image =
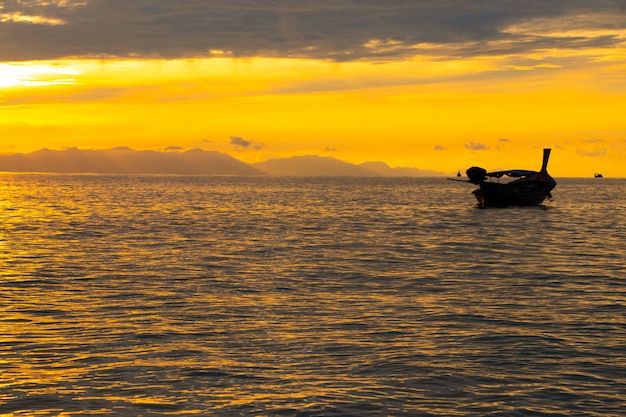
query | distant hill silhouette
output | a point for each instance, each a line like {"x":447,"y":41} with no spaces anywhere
{"x":126,"y":161}
{"x":197,"y":161}
{"x":311,"y":165}
{"x":385,"y":170}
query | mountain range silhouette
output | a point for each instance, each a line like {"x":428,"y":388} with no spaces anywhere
{"x":192,"y":162}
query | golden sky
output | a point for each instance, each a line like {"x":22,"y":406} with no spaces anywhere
{"x":471,"y":92}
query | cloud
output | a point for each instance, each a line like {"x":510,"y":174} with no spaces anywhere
{"x":241,"y":144}
{"x":331,"y":149}
{"x":475,"y":146}
{"x":441,"y":148}
{"x":339,"y":30}
{"x":36,"y":20}
{"x":592,"y":148}
{"x":503,"y":140}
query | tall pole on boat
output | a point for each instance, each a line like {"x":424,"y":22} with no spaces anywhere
{"x":546,"y":157}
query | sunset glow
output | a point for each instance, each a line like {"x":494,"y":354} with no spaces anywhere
{"x":437,"y":107}
{"x":312,"y":207}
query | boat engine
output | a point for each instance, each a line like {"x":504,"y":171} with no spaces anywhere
{"x":476,"y":175}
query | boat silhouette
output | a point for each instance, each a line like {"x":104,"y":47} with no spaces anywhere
{"x":515,"y":187}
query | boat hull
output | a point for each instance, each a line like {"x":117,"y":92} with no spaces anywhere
{"x":498,"y":195}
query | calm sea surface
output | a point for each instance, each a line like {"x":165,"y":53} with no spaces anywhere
{"x":165,"y":295}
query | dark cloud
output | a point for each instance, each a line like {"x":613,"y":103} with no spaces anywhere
{"x":339,"y":30}
{"x":441,"y":148}
{"x":475,"y":146}
{"x":242,"y":144}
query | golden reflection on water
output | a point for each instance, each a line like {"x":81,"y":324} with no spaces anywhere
{"x":118,"y":297}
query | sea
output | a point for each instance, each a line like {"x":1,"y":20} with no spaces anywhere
{"x":266,"y":296}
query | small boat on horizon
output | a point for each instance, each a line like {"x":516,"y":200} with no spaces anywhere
{"x":598,"y":175}
{"x":524,"y":188}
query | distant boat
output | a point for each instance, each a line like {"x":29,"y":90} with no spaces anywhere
{"x":528,"y":188}
{"x":458,"y":174}
{"x":598,"y":175}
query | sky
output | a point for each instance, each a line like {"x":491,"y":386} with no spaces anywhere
{"x":441,"y":85}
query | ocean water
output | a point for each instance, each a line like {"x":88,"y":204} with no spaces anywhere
{"x":166,"y":296}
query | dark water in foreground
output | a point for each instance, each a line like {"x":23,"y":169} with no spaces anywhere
{"x":141,"y":296}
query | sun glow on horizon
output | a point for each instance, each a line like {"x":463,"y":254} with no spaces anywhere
{"x":35,"y":75}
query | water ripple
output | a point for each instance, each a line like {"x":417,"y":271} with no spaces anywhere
{"x":155,"y":295}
